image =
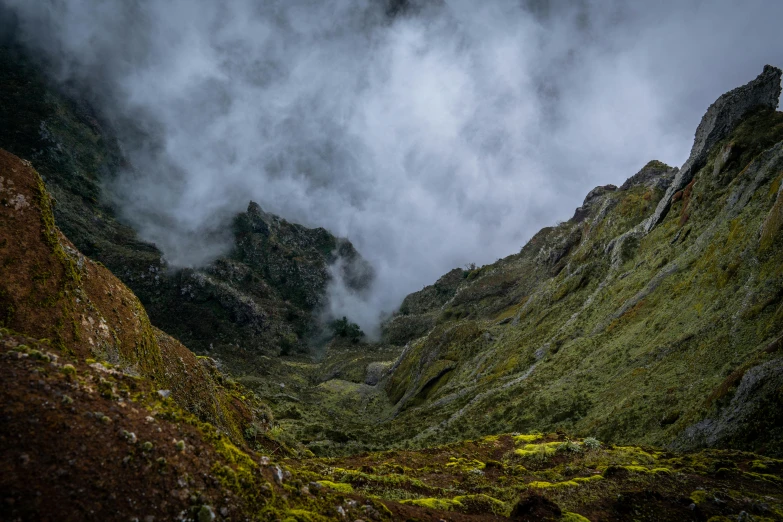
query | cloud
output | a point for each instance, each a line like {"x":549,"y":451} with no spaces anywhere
{"x":447,"y":134}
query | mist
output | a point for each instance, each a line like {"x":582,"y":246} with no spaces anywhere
{"x":446,"y":134}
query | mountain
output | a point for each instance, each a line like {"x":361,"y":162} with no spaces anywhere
{"x":624,"y":364}
{"x":658,"y":305}
{"x":260,"y":296}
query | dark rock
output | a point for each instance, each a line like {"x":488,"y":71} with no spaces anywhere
{"x":535,"y":508}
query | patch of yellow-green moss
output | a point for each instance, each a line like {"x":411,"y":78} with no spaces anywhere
{"x":481,"y":503}
{"x":465,"y":464}
{"x":540,"y":484}
{"x":337,"y":486}
{"x":441,"y":504}
{"x":71,"y":275}
{"x":541,"y":451}
{"x":527,"y":438}
{"x":591,"y":478}
{"x":573,"y":517}
{"x":699,"y":496}
{"x":301,"y":515}
{"x":772,"y":224}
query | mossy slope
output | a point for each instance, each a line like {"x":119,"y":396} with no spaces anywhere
{"x":50,"y":290}
{"x":598,"y":329}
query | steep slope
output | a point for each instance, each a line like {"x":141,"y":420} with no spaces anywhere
{"x":608,"y":325}
{"x":105,"y":417}
{"x":49,"y":290}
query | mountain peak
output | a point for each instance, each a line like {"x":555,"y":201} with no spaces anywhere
{"x":720,"y":119}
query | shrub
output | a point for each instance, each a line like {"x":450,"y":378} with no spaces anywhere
{"x":344,"y":328}
{"x":569,"y":446}
{"x":591,"y":443}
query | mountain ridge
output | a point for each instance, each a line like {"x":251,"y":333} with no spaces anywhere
{"x":485,"y":398}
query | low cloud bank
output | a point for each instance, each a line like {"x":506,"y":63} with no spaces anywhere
{"x":446,"y":134}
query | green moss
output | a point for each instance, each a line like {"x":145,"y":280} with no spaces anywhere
{"x":301,"y":515}
{"x":591,"y":478}
{"x":772,"y":224}
{"x":440,"y":504}
{"x":772,"y":479}
{"x":71,"y":276}
{"x":368,"y":480}
{"x":699,"y":496}
{"x":545,"y":485}
{"x":337,"y":486}
{"x":481,"y":504}
{"x":465,"y":464}
{"x":538,"y":452}
{"x":573,"y":517}
{"x":527,"y":438}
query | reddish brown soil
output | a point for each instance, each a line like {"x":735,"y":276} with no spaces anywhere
{"x":60,"y":460}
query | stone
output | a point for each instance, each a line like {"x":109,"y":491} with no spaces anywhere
{"x":535,"y":507}
{"x":655,"y":174}
{"x":581,"y":213}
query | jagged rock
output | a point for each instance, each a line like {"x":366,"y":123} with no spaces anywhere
{"x":721,"y":118}
{"x":581,"y":213}
{"x":434,"y":296}
{"x":655,"y":174}
{"x":262,"y":296}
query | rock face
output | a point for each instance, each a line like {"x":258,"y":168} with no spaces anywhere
{"x":720,"y":119}
{"x":753,"y":411}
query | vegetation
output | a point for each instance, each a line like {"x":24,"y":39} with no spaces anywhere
{"x":346,"y":329}
{"x":601,"y":373}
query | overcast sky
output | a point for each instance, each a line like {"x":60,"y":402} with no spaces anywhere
{"x":446,"y":135}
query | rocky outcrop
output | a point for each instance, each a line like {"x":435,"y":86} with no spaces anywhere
{"x":752,"y":419}
{"x":721,"y":118}
{"x":655,"y":174}
{"x":296,"y":260}
{"x":588,"y":205}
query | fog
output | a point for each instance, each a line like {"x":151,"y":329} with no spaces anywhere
{"x":446,"y":134}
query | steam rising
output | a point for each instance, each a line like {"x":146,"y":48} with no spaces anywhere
{"x":447,"y":134}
